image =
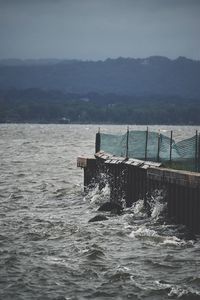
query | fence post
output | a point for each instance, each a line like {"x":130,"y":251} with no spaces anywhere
{"x":158,"y":154}
{"x":127,"y":139}
{"x":196,"y":152}
{"x":170,"y":153}
{"x":198,"y":160}
{"x":146,"y":143}
{"x":98,"y":141}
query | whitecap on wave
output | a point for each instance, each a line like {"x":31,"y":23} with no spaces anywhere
{"x":98,"y":196}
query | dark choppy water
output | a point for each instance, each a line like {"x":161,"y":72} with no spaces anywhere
{"x":48,"y":250}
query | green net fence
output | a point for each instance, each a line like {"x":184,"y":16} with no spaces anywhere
{"x":153,"y":146}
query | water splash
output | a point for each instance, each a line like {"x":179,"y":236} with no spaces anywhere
{"x":157,"y":204}
{"x":97,"y":196}
{"x":183,"y":293}
{"x":139,"y":209}
{"x":148,"y":222}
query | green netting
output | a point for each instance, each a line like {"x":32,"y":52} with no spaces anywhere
{"x":136,"y":144}
{"x":187,"y":148}
{"x":114,"y":144}
{"x":152,"y":146}
{"x":164,"y":153}
{"x":186,"y":155}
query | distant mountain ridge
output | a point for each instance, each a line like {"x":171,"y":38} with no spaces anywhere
{"x":154,"y":75}
{"x":32,"y":62}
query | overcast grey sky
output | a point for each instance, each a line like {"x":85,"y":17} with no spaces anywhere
{"x":97,"y":29}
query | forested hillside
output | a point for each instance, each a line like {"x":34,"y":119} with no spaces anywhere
{"x":39,"y":106}
{"x":124,"y":76}
{"x":155,"y":90}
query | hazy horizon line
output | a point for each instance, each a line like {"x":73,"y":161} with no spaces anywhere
{"x":96,"y":60}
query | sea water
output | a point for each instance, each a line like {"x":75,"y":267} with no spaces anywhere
{"x":48,"y":250}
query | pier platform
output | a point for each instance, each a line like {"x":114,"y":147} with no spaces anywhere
{"x":134,"y":179}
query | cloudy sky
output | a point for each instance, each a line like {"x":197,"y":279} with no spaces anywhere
{"x":97,"y":29}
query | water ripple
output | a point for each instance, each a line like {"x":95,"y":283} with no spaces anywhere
{"x":49,"y":251}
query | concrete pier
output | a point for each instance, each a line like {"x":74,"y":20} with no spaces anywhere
{"x":132,"y":179}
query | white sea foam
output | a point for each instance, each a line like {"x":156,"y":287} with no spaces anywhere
{"x":143,"y":231}
{"x":98,"y":196}
{"x":138,"y":208}
{"x":161,"y":285}
{"x":153,"y":237}
{"x":180,"y":292}
{"x":158,"y":209}
{"x":157,"y":204}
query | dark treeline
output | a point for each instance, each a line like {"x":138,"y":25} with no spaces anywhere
{"x":122,"y":76}
{"x":40,"y":106}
